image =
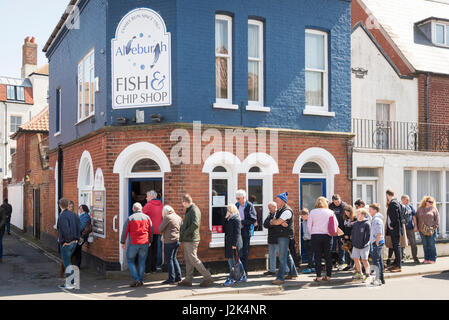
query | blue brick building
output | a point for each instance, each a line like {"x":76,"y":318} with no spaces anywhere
{"x":131,"y":80}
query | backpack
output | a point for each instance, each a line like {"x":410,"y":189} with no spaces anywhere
{"x":405,"y":214}
{"x":331,"y":229}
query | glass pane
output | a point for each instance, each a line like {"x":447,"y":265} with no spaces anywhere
{"x":221,"y":37}
{"x":221,"y":77}
{"x":408,"y":184}
{"x":10,"y":93}
{"x":253,"y":41}
{"x":314,"y":88}
{"x":447,"y":35}
{"x":447,"y":189}
{"x":447,"y":217}
{"x":218,"y":218}
{"x":310,"y":191}
{"x":219,"y":169}
{"x":434,"y":182}
{"x":219,"y":188}
{"x":311,"y":167}
{"x":146,"y":165}
{"x":423,"y":184}
{"x":255,"y":191}
{"x":359,"y":191}
{"x":86,"y":87}
{"x":253,"y":81}
{"x":20,"y":93}
{"x":258,"y":226}
{"x":440,"y":33}
{"x":369,"y":194}
{"x":92,"y":91}
{"x":87,"y":181}
{"x":315,"y":51}
{"x":255,"y":169}
{"x":429,"y":185}
{"x":80,"y":92}
{"x":366,"y":172}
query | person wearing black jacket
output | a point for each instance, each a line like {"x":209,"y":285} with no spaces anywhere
{"x":8,"y":210}
{"x":394,"y":227}
{"x":233,"y":243}
{"x":2,"y":229}
{"x":273,"y":247}
{"x":69,"y":234}
{"x":337,"y":206}
{"x":248,"y":217}
{"x":360,"y":236}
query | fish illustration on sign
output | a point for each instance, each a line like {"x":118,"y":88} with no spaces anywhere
{"x":157,"y":53}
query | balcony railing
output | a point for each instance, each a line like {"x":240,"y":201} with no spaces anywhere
{"x":396,"y":135}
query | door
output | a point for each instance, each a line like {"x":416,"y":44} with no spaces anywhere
{"x":383,"y":126}
{"x":36,"y":213}
{"x":310,"y":190}
{"x":138,"y":189}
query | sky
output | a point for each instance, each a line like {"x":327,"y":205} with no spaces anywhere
{"x":22,"y":18}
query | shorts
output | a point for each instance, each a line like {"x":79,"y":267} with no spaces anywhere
{"x":360,"y":253}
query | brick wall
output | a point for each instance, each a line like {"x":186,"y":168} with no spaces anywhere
{"x":105,"y":147}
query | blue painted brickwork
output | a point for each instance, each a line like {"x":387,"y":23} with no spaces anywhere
{"x":192,"y":27}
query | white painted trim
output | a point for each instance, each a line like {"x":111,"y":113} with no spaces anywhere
{"x":228,"y":56}
{"x":84,"y":164}
{"x":123,"y":166}
{"x":224,"y":105}
{"x":327,"y":163}
{"x":266,"y":163}
{"x":257,"y":108}
{"x":260,"y":102}
{"x":225,"y":159}
{"x":308,"y":111}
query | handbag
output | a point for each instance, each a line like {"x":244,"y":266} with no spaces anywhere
{"x":236,"y":270}
{"x":331,"y":227}
{"x":427,"y":231}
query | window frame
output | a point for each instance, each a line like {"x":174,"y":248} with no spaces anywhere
{"x":445,"y":43}
{"x":324,"y":109}
{"x":10,"y":122}
{"x":15,"y":92}
{"x":258,"y":105}
{"x":219,"y":102}
{"x":81,"y":75}
{"x":58,"y":111}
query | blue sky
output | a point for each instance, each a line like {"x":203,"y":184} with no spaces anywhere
{"x":22,"y":18}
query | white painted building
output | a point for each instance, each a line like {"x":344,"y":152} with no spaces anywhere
{"x":385,"y":112}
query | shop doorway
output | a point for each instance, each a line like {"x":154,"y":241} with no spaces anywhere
{"x":310,"y":190}
{"x":138,"y":188}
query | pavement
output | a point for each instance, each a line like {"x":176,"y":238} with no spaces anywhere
{"x":29,"y":267}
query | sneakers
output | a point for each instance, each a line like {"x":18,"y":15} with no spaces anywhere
{"x":341,"y":267}
{"x":307,"y":271}
{"x":206,"y":282}
{"x":395,"y":269}
{"x":348,"y":267}
{"x":431,"y":262}
{"x":185,"y":283}
{"x":169,"y":282}
{"x":242,"y":279}
{"x":278,"y":282}
{"x":366,"y":278}
{"x":269,"y":273}
{"x":229,"y":282}
{"x":290,"y":277}
{"x":416,"y":260}
{"x":357,"y":276}
{"x":67,"y":287}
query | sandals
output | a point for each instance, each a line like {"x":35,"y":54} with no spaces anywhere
{"x":317,"y":279}
{"x":326,"y":278}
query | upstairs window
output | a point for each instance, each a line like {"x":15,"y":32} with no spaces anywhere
{"x":15,"y":123}
{"x":86,"y":87}
{"x":316,"y":70}
{"x":255,"y":63}
{"x":58,"y":110}
{"x":441,"y":31}
{"x":15,"y":93}
{"x":223,"y":60}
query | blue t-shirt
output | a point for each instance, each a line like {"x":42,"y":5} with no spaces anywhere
{"x":410,"y":225}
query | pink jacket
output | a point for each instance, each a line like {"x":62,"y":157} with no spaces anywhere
{"x":319,"y":219}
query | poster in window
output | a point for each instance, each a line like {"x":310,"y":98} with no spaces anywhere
{"x":98,"y":214}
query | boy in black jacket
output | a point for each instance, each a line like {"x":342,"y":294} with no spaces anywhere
{"x":360,"y":236}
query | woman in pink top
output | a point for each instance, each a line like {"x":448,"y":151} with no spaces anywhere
{"x":321,"y":240}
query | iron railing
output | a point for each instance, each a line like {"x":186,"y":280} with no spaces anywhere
{"x":397,"y":135}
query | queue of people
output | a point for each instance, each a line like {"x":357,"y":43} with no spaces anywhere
{"x":353,"y":234}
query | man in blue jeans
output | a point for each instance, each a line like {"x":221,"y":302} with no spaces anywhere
{"x":140,"y":230}
{"x":338,"y":207}
{"x":283,"y":229}
{"x":377,"y":241}
{"x":68,"y":237}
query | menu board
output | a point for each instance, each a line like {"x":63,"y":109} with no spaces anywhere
{"x":98,"y":214}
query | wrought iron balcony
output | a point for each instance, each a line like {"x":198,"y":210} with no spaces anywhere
{"x":396,"y":135}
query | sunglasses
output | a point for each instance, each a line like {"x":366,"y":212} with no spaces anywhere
{"x":429,"y":201}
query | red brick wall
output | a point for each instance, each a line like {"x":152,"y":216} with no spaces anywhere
{"x":106,"y":146}
{"x":2,"y":92}
{"x":358,"y":14}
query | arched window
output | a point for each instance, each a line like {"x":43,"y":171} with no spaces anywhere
{"x":219,"y":169}
{"x":146,"y":165}
{"x":311,"y":167}
{"x":255,"y":169}
{"x":85,"y":180}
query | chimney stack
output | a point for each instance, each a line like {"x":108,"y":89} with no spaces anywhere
{"x":29,"y":56}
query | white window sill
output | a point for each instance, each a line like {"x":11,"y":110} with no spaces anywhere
{"x":85,"y":119}
{"x":225,"y":106}
{"x":57,"y":134}
{"x":317,"y":112}
{"x":255,"y":241}
{"x":258,"y":108}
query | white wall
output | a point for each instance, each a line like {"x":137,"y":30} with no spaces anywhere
{"x":381,"y":83}
{"x":15,"y":198}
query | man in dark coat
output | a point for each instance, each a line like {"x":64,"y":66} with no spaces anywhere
{"x":8,"y":210}
{"x":394,"y":226}
{"x":337,"y":206}
{"x":2,"y":230}
{"x":248,"y":217}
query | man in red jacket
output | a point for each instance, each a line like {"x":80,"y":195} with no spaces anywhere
{"x":140,"y":230}
{"x":153,"y":209}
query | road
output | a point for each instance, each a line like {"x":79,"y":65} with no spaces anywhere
{"x":28,"y":273}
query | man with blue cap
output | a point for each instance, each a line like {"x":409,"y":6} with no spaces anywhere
{"x":283,"y":228}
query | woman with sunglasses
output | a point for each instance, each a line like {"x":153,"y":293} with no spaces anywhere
{"x":428,"y":219}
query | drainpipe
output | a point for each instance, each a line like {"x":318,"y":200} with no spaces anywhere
{"x":349,"y":164}
{"x":5,"y":141}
